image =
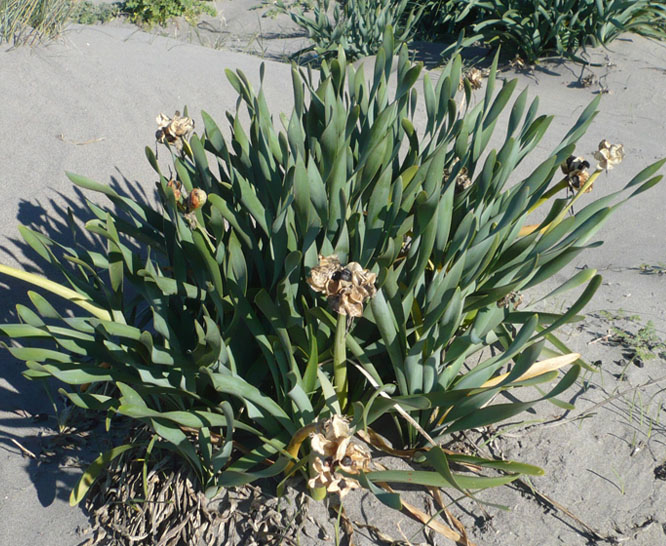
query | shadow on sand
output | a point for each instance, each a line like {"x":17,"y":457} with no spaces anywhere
{"x":53,"y":438}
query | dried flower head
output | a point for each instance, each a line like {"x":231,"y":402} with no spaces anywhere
{"x":575,"y":169}
{"x":321,"y":275}
{"x":574,"y":163}
{"x":518,"y":63}
{"x":577,"y":180}
{"x":475,"y":78}
{"x":514,"y":299}
{"x":172,"y":131}
{"x":463,"y":181}
{"x":345,"y":287}
{"x":333,"y":448}
{"x":609,"y":155}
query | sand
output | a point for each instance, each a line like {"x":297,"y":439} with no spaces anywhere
{"x":86,"y":103}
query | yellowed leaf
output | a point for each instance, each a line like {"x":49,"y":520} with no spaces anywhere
{"x":58,"y":289}
{"x":538,"y":368}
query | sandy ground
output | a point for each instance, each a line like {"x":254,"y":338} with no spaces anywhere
{"x":87,"y":104}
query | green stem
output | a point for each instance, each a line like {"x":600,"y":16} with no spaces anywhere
{"x":576,"y":197}
{"x":206,"y":237}
{"x":340,"y":361}
{"x":562,"y":184}
{"x":297,"y":440}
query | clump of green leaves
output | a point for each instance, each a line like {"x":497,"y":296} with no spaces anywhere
{"x":151,"y":12}
{"x":639,"y":339}
{"x":198,"y":318}
{"x":27,"y":21}
{"x":86,"y":12}
{"x":358,"y":27}
{"x":442,"y":20}
{"x":541,"y":28}
{"x":533,"y":29}
{"x":653,"y":269}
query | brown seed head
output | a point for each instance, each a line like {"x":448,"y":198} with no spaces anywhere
{"x":463,"y":181}
{"x":181,"y":125}
{"x":574,"y":163}
{"x":321,"y":275}
{"x":475,"y":78}
{"x":575,"y":169}
{"x":196,"y":199}
{"x":345,"y":287}
{"x":172,"y":131}
{"x":578,"y":178}
{"x":514,"y":299}
{"x":332,"y":447}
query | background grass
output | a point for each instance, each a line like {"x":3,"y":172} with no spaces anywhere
{"x":26,"y":21}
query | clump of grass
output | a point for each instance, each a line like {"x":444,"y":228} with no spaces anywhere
{"x":28,"y":21}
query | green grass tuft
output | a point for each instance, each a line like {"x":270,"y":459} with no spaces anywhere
{"x":28,"y":21}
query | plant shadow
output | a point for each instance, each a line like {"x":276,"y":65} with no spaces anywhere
{"x":37,"y":424}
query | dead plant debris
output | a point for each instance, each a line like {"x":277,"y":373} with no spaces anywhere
{"x":178,"y":512}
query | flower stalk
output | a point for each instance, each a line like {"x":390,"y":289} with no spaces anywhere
{"x":527,"y":230}
{"x":340,"y":381}
{"x":588,"y":184}
{"x":297,"y":441}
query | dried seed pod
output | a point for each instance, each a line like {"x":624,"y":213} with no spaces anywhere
{"x":345,"y":287}
{"x":475,"y":78}
{"x":172,"y":131}
{"x":514,"y":299}
{"x":162,"y":133}
{"x":575,"y":169}
{"x":463,"y":181}
{"x":342,"y":275}
{"x":332,"y":446}
{"x":578,"y":178}
{"x":181,"y":125}
{"x":196,"y":199}
{"x":176,"y":188}
{"x":342,"y":304}
{"x":574,"y":163}
{"x":609,"y":155}
{"x":323,"y":273}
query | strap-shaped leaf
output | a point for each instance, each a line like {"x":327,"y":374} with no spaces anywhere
{"x":237,"y":387}
{"x":93,"y":471}
{"x":392,"y":500}
{"x":388,"y":329}
{"x":57,"y":289}
{"x":435,"y":479}
{"x":579,"y":304}
{"x":23,"y":330}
